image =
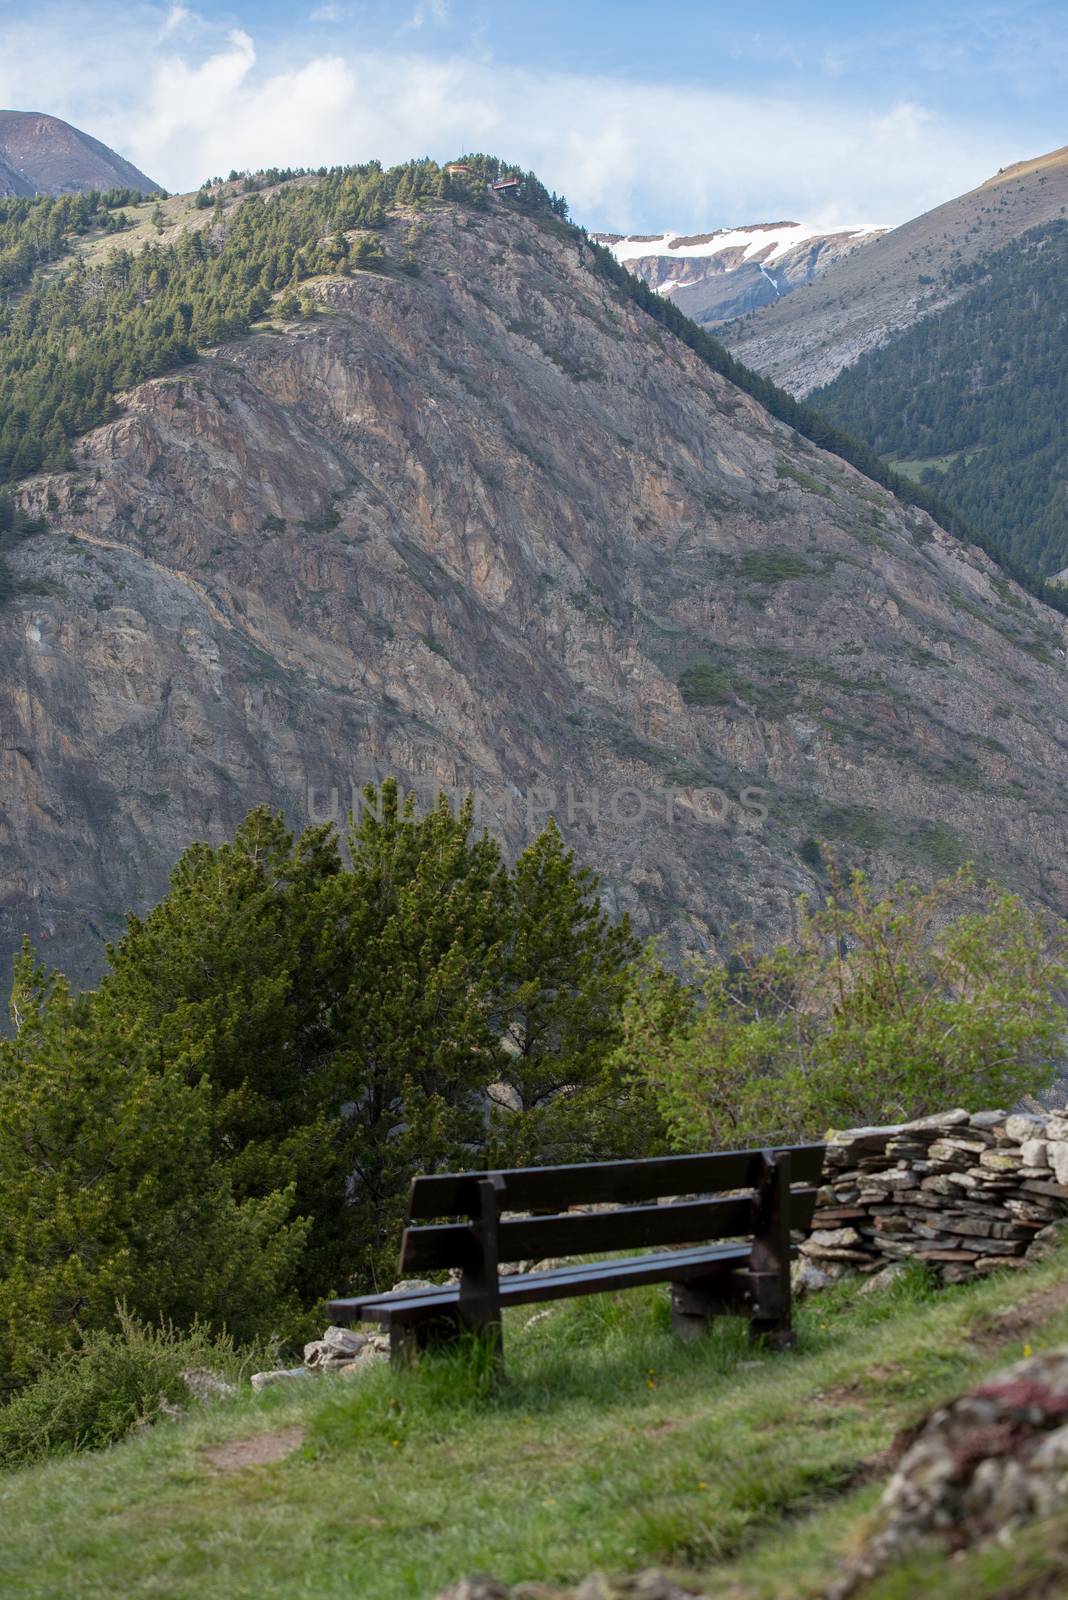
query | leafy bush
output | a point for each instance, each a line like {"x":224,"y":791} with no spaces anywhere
{"x":112,"y":1383}
{"x":879,"y":1011}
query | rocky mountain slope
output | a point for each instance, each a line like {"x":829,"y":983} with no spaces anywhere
{"x":714,"y":276}
{"x":43,"y":155}
{"x":486,"y":523}
{"x":806,"y":339}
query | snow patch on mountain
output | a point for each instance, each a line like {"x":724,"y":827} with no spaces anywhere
{"x":752,"y":241}
{"x":724,"y":273}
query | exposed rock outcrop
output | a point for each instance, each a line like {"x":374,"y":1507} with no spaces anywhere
{"x":978,"y":1469}
{"x":491,"y":526}
{"x":723,"y":274}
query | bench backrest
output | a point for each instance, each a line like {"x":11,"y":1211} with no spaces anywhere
{"x":631,"y":1187}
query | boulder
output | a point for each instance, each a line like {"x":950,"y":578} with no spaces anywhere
{"x":268,"y":1380}
{"x":979,"y":1468}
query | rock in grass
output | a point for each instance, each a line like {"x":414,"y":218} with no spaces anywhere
{"x":980,"y":1467}
{"x":807,"y":1278}
{"x":336,"y":1348}
{"x":268,"y":1380}
{"x":885,"y":1279}
{"x":1045,"y":1242}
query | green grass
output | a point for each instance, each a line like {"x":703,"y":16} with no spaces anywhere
{"x":915,"y":469}
{"x":778,"y":566}
{"x":611,"y":1447}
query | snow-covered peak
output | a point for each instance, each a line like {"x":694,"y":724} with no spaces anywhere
{"x":716,"y":276}
{"x":768,"y":240}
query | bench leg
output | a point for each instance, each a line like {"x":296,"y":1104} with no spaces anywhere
{"x":769,"y":1316}
{"x":695,"y":1301}
{"x":772,"y":1332}
{"x":408,"y":1339}
{"x":691,"y":1311}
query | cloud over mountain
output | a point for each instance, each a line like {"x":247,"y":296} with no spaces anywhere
{"x":184,"y":99}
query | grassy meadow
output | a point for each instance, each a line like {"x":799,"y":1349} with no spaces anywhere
{"x":610,"y":1447}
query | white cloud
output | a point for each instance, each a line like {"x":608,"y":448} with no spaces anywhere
{"x":633,"y":156}
{"x":327,"y":13}
{"x":175,"y":20}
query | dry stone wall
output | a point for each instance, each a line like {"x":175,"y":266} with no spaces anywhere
{"x":968,"y":1193}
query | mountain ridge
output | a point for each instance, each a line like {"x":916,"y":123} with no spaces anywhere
{"x":807,"y":338}
{"x":721,"y":274}
{"x":42,"y":154}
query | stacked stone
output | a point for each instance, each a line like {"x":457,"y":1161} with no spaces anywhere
{"x":968,"y":1193}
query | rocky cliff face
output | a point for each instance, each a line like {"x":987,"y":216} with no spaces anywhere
{"x":715,"y":276}
{"x":491,"y":526}
{"x":861,"y":301}
{"x":43,"y":155}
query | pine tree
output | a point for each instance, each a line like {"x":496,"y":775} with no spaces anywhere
{"x":233,"y":977}
{"x":422,"y":914}
{"x":109,"y":1190}
{"x":564,"y":978}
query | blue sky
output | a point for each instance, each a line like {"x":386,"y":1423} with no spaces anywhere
{"x":674,"y":114}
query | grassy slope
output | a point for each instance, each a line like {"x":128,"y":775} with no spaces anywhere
{"x":611,"y":1447}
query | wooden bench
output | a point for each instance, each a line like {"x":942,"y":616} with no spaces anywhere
{"x":745,"y":1272}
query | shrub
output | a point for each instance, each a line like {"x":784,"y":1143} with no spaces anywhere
{"x":879,"y":1011}
{"x":112,"y":1383}
{"x":706,"y":685}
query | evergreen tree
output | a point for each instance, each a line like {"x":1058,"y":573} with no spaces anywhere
{"x":564,"y":978}
{"x":109,"y":1189}
{"x":352,"y":1021}
{"x":423,"y":916}
{"x":234,"y":978}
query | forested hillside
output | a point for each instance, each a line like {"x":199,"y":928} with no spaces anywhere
{"x":74,"y":339}
{"x":84,"y":317}
{"x":974,"y":400}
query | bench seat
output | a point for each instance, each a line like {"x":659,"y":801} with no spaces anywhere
{"x":555,"y":1283}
